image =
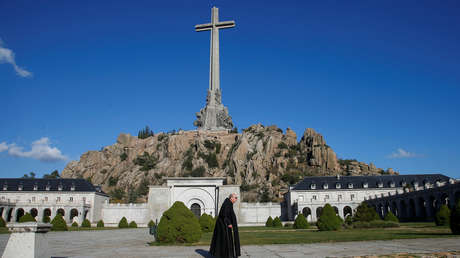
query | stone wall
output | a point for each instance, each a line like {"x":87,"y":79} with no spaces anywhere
{"x":111,"y":213}
{"x":258,"y":213}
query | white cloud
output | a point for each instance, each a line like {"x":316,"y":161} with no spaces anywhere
{"x":40,"y":150}
{"x":3,"y":146}
{"x":7,"y":56}
{"x":401,"y":153}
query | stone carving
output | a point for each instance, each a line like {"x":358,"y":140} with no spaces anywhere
{"x":215,"y":115}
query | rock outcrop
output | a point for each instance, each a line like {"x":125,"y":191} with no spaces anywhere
{"x":263,"y":160}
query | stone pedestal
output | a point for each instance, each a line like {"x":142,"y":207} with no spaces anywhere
{"x":27,"y":240}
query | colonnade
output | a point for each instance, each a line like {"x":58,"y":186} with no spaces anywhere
{"x":11,"y":212}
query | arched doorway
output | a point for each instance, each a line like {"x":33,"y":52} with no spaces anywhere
{"x":73,"y":213}
{"x":196,"y":209}
{"x":336,"y":210}
{"x":33,"y":212}
{"x":46,"y":213}
{"x":1,"y":211}
{"x":307,"y":213}
{"x":411,"y":212}
{"x":422,"y":205}
{"x":394,"y":209}
{"x":19,"y":214}
{"x":319,"y":211}
{"x":61,"y":211}
{"x":347,"y":211}
{"x":10,"y":215}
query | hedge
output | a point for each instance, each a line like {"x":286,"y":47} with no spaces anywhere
{"x":27,"y":218}
{"x":269,"y":222}
{"x":207,"y":223}
{"x":277,"y":222}
{"x":455,"y":219}
{"x":133,"y":224}
{"x":75,"y":224}
{"x":46,"y":219}
{"x":86,"y":224}
{"x":301,"y":222}
{"x":391,"y":217}
{"x":179,"y":225}
{"x":151,"y":223}
{"x":58,"y":223}
{"x":123,"y":223}
{"x":365,"y":213}
{"x":328,"y":219}
{"x":442,"y":217}
{"x":375,"y":224}
{"x":100,"y":224}
{"x":2,"y":222}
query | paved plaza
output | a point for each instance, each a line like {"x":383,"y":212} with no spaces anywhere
{"x":133,"y":243}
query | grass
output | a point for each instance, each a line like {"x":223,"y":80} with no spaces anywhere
{"x":90,"y":229}
{"x":267,"y":236}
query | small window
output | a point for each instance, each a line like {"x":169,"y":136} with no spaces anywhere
{"x":327,"y":196}
{"x":58,"y":199}
{"x":35,"y":187}
{"x":380,"y":184}
{"x":340,"y":196}
{"x":48,"y":187}
{"x":3,"y":197}
{"x":325,"y":186}
{"x":352,"y":197}
{"x":313,"y":186}
{"x":20,"y":188}
{"x":5,"y":187}
{"x":366,"y":185}
{"x":392,"y":184}
{"x":72,"y":187}
{"x":59,"y":187}
{"x":350,"y":185}
{"x":415,"y":183}
{"x":314,"y":197}
{"x":33,"y":199}
{"x":46,"y":198}
{"x":84,"y":199}
{"x":71,"y":199}
{"x":338,"y":186}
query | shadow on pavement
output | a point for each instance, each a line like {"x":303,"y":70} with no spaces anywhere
{"x":204,"y":253}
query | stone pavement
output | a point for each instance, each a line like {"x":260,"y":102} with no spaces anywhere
{"x":133,"y":243}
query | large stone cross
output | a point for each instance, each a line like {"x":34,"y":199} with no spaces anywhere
{"x":214,"y":66}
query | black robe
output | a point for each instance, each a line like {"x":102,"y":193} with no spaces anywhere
{"x":226,"y":243}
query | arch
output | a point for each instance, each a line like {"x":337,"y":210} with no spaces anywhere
{"x":411,"y":209}
{"x":200,"y":196}
{"x":47,"y":213}
{"x":394,"y":209}
{"x":19,"y":214}
{"x":457,"y":197}
{"x":61,"y":211}
{"x":319,"y":211}
{"x":33,"y":212}
{"x":73,"y":213}
{"x":1,"y":211}
{"x":85,"y":214}
{"x":9,"y":215}
{"x":336,"y":210}
{"x":196,"y":209}
{"x":422,"y":205}
{"x":347,"y":211}
{"x":445,"y":199}
{"x":403,"y":209}
{"x":380,"y":210}
{"x":306,"y":212}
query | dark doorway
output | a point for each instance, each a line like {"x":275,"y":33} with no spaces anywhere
{"x":196,"y":209}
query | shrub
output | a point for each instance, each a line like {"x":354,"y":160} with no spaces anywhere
{"x":2,"y":222}
{"x":86,"y":224}
{"x":277,"y":222}
{"x":58,"y":223}
{"x":46,"y":219}
{"x":328,"y":219}
{"x":442,"y":217}
{"x":207,"y":223}
{"x":455,"y":219}
{"x":375,"y":224}
{"x":27,"y":218}
{"x":123,"y":223}
{"x":365,"y":213}
{"x":133,"y":224}
{"x":151,"y":223}
{"x":100,"y":224}
{"x":288,"y":225}
{"x":269,"y":222}
{"x":179,"y":225}
{"x":348,"y":220}
{"x":300,"y":222}
{"x":391,"y":217}
{"x":75,"y":224}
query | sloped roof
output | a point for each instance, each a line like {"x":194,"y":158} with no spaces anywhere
{"x":66,"y":184}
{"x":372,"y":181}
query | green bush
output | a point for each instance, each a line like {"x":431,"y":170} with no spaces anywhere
{"x":123,"y":223}
{"x":58,"y":223}
{"x":277,"y":222}
{"x":328,"y":219}
{"x":455,"y":219}
{"x":133,"y":224}
{"x":207,"y":223}
{"x":179,"y":225}
{"x":348,"y":220}
{"x":301,"y":222}
{"x":86,"y":224}
{"x":269,"y":222}
{"x":100,"y":224}
{"x":442,"y":217}
{"x":46,"y":219}
{"x":365,"y":213}
{"x":288,"y":225}
{"x":75,"y":224}
{"x":391,"y":217}
{"x":2,"y":222}
{"x":27,"y":218}
{"x":151,"y":223}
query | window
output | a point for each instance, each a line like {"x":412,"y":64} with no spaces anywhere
{"x":5,"y":187}
{"x":72,"y":188}
{"x":35,"y":187}
{"x":338,"y":185}
{"x":48,"y":187}
{"x":340,"y":196}
{"x":327,"y":196}
{"x":58,"y":199}
{"x":59,"y":187}
{"x":392,"y":184}
{"x":325,"y":186}
{"x":380,"y":184}
{"x":313,"y":186}
{"x":314,"y":197}
{"x":33,"y":199}
{"x":46,"y":198}
{"x":3,"y":197}
{"x":352,"y":197}
{"x":71,"y":199}
{"x":365,"y":185}
{"x":20,"y":188}
{"x":350,"y":185}
{"x":84,"y":199}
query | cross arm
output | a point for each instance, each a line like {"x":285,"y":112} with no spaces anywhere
{"x":203,"y":27}
{"x":225,"y":24}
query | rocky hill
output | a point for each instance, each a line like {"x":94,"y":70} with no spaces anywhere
{"x":264,"y":160}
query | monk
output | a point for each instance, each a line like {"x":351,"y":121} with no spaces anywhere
{"x":226,"y":240}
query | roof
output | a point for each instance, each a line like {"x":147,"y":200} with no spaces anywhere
{"x":36,"y":184}
{"x":357,"y":182}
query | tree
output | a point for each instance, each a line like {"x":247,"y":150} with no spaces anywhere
{"x":269,"y":222}
{"x":100,"y":224}
{"x":328,"y":219}
{"x":390,"y":217}
{"x":59,"y":223}
{"x":300,"y":222}
{"x":442,"y":217}
{"x":179,"y":225}
{"x":207,"y":223}
{"x":133,"y":224}
{"x":145,"y":133}
{"x":277,"y":222}
{"x":365,"y":213}
{"x":151,"y":223}
{"x":143,"y":188}
{"x":27,"y":218}
{"x":2,"y":222}
{"x":455,"y":219}
{"x":123,"y":223}
{"x":54,"y":174}
{"x":86,"y":224}
{"x":30,"y":175}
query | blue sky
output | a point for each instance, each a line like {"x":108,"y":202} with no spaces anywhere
{"x":379,"y":80}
